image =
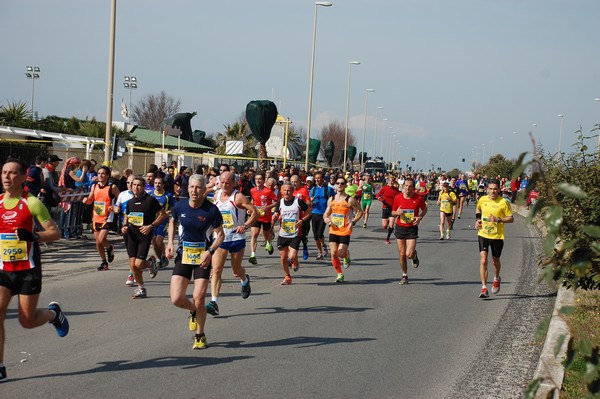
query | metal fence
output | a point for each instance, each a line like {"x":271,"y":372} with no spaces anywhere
{"x":71,"y":214}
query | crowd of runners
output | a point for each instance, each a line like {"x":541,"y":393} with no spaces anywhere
{"x":200,"y":220}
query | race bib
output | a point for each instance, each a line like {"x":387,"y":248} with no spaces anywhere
{"x":445,"y":206}
{"x":491,"y":228}
{"x":136,"y":219}
{"x":12,"y":249}
{"x":288,"y":226}
{"x":99,"y":208}
{"x":408,"y":215}
{"x":192,"y":252}
{"x":366,"y":196}
{"x":227,"y":219}
{"x":337,"y":220}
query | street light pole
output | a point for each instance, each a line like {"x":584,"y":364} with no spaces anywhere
{"x":312,"y":73}
{"x":350,"y":63}
{"x":560,"y":134}
{"x":130,"y":82}
{"x":110,"y":88}
{"x":382,"y":137}
{"x":365,"y":127}
{"x":375,"y":135}
{"x":32,"y":73}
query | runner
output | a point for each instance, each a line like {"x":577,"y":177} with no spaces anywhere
{"x":119,"y":208}
{"x":166,"y":201}
{"x":149,"y":186}
{"x":102,"y":194}
{"x":292,"y":213}
{"x":446,"y":201}
{"x":337,"y":216}
{"x":366,"y":200}
{"x":301,"y":192}
{"x":492,"y":212}
{"x":386,"y":195}
{"x":143,"y":213}
{"x":410,"y":209}
{"x":233,"y":206}
{"x":195,"y":217}
{"x":20,"y":263}
{"x":463,"y":189}
{"x":264,"y":199}
{"x":319,"y":196}
{"x":472,"y":184}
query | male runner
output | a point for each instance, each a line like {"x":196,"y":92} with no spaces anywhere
{"x":119,"y":208}
{"x":301,"y":192}
{"x":195,"y":216}
{"x":102,"y":194}
{"x":292,"y":213}
{"x":20,"y":262}
{"x":366,"y":200}
{"x":337,"y":215}
{"x":319,"y":196}
{"x":409,"y":208}
{"x":233,"y":206}
{"x":167,"y":202}
{"x":142,"y":215}
{"x":386,"y":195}
{"x":492,"y":212}
{"x":264,"y":199}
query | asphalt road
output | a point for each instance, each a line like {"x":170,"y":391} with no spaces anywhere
{"x":369,"y":337}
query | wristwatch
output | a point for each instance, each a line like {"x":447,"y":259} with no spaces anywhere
{"x":211,"y":250}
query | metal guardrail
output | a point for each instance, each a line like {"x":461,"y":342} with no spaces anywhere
{"x":71,"y":214}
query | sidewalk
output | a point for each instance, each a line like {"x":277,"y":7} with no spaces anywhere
{"x":550,"y":367}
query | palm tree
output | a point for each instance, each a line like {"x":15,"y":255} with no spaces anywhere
{"x":15,"y":114}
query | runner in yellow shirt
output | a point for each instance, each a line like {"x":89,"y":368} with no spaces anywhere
{"x":493,"y":212}
{"x":446,"y":202}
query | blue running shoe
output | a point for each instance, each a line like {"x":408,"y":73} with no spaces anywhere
{"x":246,"y":288}
{"x":212,"y":308}
{"x":305,"y":253}
{"x":60,"y":322}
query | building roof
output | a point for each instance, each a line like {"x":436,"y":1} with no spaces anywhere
{"x":154,"y":137}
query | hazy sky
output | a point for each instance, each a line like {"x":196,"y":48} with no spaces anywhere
{"x":456,"y":78}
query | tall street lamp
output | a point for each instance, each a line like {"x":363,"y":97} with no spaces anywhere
{"x":382,"y":136}
{"x":130,"y":83}
{"x":560,"y":134}
{"x":312,"y":72}
{"x":375,"y":135}
{"x":350,"y":63}
{"x":365,"y":126}
{"x":392,"y":137}
{"x":33,"y":73}
{"x":598,"y":148}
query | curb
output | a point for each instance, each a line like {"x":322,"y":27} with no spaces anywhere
{"x":550,"y":369}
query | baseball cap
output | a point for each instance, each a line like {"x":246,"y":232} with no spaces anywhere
{"x":309,"y":178}
{"x":54,"y":158}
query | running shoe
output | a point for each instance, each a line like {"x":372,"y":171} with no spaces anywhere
{"x":3,"y":376}
{"x":404,"y":280}
{"x":441,"y":238}
{"x":139,"y":293}
{"x":103,"y":266}
{"x":193,"y":321}
{"x":415,"y":260}
{"x":387,"y":241}
{"x":340,"y":278}
{"x":252,"y":259}
{"x":60,"y":322}
{"x":129,"y":282}
{"x":164,"y":262}
{"x":110,"y":254}
{"x":346,"y":262}
{"x":212,"y":308}
{"x":364,"y":225}
{"x":484,"y":293}
{"x":496,"y":285}
{"x":296,"y":267}
{"x":152,"y":266}
{"x":459,"y":213}
{"x":305,"y":253}
{"x":200,"y":342}
{"x":319,"y":257}
{"x":325,"y":254}
{"x":269,"y":248}
{"x":287,"y":280}
{"x":246,"y":288}
{"x":448,"y":235}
